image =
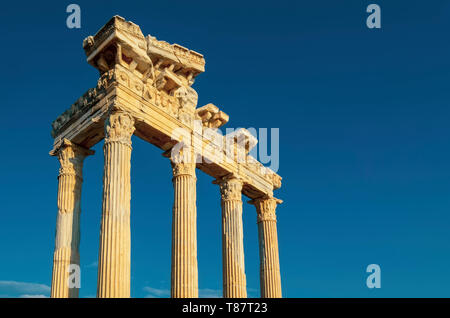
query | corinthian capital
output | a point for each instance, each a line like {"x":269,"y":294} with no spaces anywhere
{"x":265,"y":208}
{"x":119,"y":126}
{"x":230,"y":187}
{"x":182,"y":159}
{"x":71,"y":157}
{"x":183,"y":168}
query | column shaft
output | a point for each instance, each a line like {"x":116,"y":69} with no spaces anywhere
{"x":270,"y":279}
{"x":184,"y":276}
{"x":234,"y":280}
{"x":67,"y":239}
{"x":115,"y":241}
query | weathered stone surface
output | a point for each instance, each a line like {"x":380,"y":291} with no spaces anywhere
{"x":115,"y":243}
{"x":234,"y":281}
{"x":67,"y":240}
{"x":184,"y":274}
{"x":211,"y":116}
{"x":270,"y":278}
{"x":151,"y":80}
{"x":145,"y":89}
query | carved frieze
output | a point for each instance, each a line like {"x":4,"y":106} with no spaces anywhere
{"x":90,"y":98}
{"x":158,"y":75}
{"x":187,"y":60}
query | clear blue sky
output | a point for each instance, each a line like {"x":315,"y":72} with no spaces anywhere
{"x":364,"y":140}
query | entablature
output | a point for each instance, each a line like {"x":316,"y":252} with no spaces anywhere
{"x":141,"y":76}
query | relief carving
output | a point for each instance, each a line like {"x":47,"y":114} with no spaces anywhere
{"x":90,"y":98}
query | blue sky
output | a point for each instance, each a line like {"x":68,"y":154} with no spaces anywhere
{"x":364,"y":142}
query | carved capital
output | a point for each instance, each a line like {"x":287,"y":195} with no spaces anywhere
{"x":265,"y":208}
{"x":71,"y":158}
{"x":119,"y":127}
{"x":230,"y":188}
{"x":182,"y":159}
{"x":183,"y":168}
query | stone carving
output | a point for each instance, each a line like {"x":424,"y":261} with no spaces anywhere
{"x":181,"y":159}
{"x":243,"y":139}
{"x":276,"y":180}
{"x":66,"y":157}
{"x":230,"y":188}
{"x":115,"y":238}
{"x":187,"y":96}
{"x":119,"y":127}
{"x":168,"y":68}
{"x":266,"y":206}
{"x":146,"y":81}
{"x":182,"y":168}
{"x":175,"y":53}
{"x":70,"y":163}
{"x":118,"y":31}
{"x":211,"y":116}
{"x":90,"y":98}
{"x":160,"y":82}
{"x":71,"y":158}
{"x":88,"y":42}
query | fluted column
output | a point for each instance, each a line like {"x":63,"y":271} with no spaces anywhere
{"x":270,"y":279}
{"x":115,"y":243}
{"x":234,"y":281}
{"x":67,"y":238}
{"x":184,"y":275}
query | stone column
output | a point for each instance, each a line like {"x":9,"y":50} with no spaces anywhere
{"x":67,"y":239}
{"x":184,"y":275}
{"x":115,"y":243}
{"x":270,"y":279}
{"x":234,"y":281}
